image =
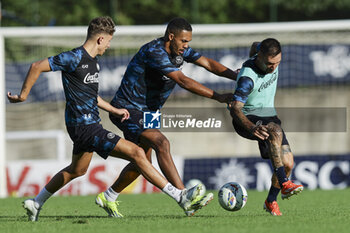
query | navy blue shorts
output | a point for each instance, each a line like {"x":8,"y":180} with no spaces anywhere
{"x":132,"y":127}
{"x":263,"y":144}
{"x":90,"y":138}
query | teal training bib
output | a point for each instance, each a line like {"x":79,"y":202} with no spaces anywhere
{"x":261,"y":99}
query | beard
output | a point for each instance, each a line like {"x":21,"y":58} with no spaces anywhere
{"x":269,"y":70}
{"x":173,"y":49}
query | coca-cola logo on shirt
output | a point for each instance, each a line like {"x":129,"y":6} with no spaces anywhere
{"x":93,"y":78}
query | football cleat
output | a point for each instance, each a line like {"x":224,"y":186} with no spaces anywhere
{"x":188,"y":195}
{"x":32,"y":209}
{"x":289,"y":189}
{"x":272,"y":208}
{"x":198,"y":203}
{"x":109,"y":206}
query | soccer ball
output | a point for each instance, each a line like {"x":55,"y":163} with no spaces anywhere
{"x":193,"y":182}
{"x":232,"y":196}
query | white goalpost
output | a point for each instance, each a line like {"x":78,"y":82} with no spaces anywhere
{"x":25,"y":129}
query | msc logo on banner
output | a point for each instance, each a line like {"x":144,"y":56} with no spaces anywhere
{"x":151,"y":120}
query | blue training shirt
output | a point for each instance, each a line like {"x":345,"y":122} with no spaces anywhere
{"x":80,"y":77}
{"x":145,"y":85}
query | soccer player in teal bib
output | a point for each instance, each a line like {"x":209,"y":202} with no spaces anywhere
{"x":80,"y":77}
{"x":255,"y":118}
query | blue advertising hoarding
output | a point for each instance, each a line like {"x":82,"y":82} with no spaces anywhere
{"x":323,"y":172}
{"x":302,"y":65}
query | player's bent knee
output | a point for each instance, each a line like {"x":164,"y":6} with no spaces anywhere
{"x":161,"y":143}
{"x":74,"y":173}
{"x":81,"y":172}
{"x":274,"y":128}
{"x":138,"y":154}
{"x":275,"y":132}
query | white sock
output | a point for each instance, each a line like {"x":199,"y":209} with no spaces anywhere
{"x":42,"y":197}
{"x":111,"y":195}
{"x":172,"y":191}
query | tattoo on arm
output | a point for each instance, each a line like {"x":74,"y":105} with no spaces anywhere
{"x":286,"y":149}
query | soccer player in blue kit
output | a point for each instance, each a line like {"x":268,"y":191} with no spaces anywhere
{"x":255,"y":118}
{"x":80,"y":77}
{"x":147,"y":83}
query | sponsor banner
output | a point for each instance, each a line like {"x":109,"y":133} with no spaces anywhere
{"x":323,"y":172}
{"x":27,"y":178}
{"x":192,"y":119}
{"x":302,"y":65}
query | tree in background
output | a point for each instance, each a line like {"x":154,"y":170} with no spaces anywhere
{"x":141,"y":12}
{"x":49,"y":13}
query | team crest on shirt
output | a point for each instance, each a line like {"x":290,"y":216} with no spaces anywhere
{"x":177,"y":61}
{"x":110,"y":135}
{"x":165,"y":78}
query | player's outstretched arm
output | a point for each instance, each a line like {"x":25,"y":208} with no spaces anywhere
{"x":34,"y":71}
{"x":197,"y":88}
{"x":119,"y":112}
{"x":259,"y":131}
{"x":216,"y":68}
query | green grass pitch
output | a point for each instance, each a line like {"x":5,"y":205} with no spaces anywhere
{"x":311,"y":211}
